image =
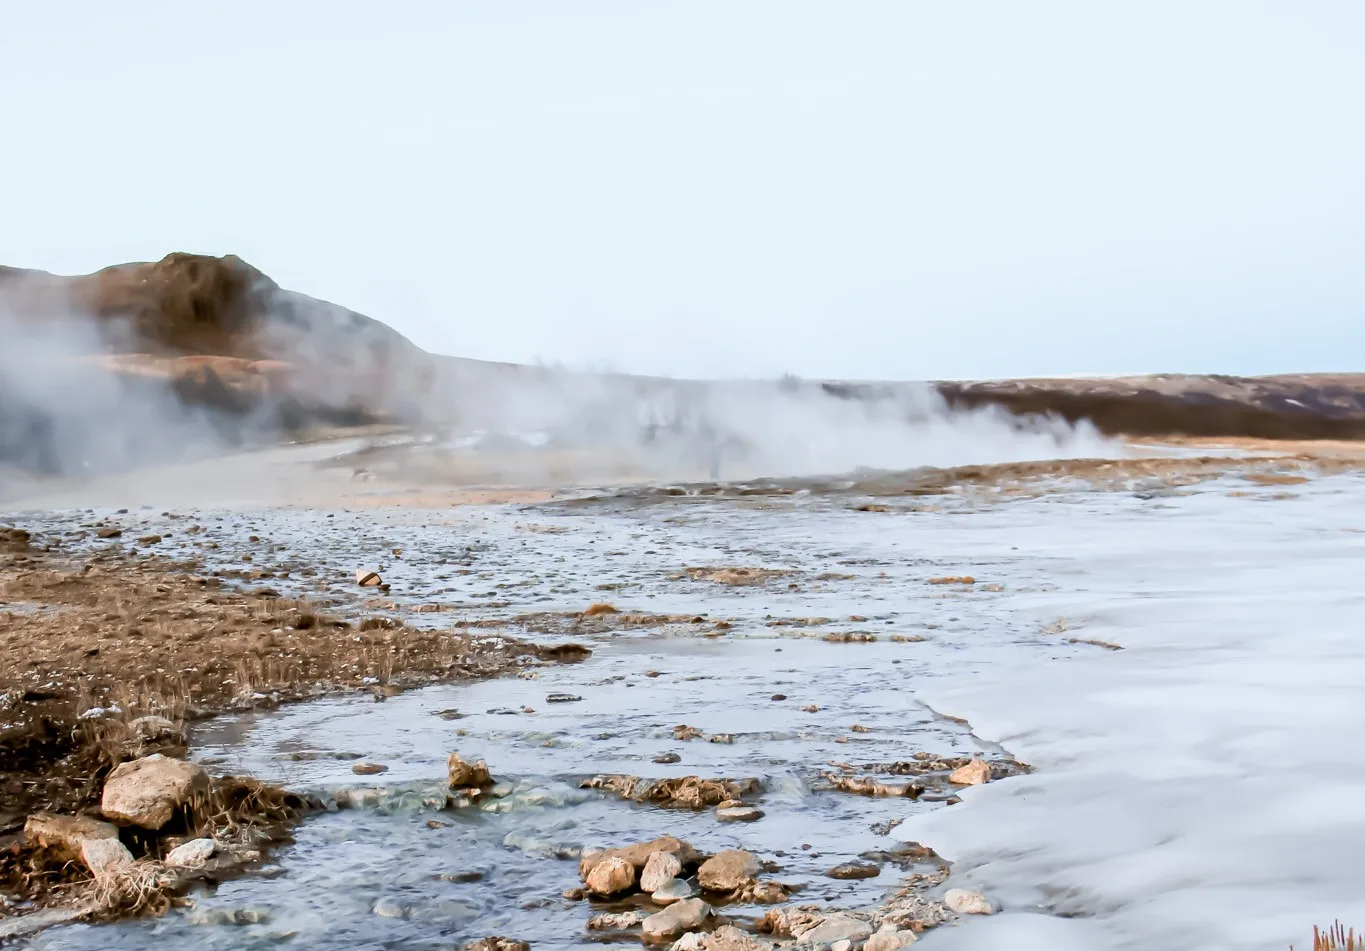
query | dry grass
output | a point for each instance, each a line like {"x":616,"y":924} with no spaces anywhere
{"x":1336,"y":938}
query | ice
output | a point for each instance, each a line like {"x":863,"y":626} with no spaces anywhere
{"x":1203,"y":788}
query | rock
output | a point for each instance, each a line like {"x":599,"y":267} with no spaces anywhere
{"x":854,"y":870}
{"x":890,"y":941}
{"x":692,"y":941}
{"x":65,"y":835}
{"x":617,"y":922}
{"x":368,"y":579}
{"x":155,"y":728}
{"x":103,"y":856}
{"x":668,"y":758}
{"x":369,"y":769}
{"x":766,"y":893}
{"x":562,"y":698}
{"x":727,"y":871}
{"x":973,"y":774}
{"x":659,"y":869}
{"x":574,"y":894}
{"x":147,"y":792}
{"x":611,"y":876}
{"x":730,"y":938}
{"x":738,"y":813}
{"x":389,"y":908}
{"x":638,"y":855}
{"x":837,"y":927}
{"x":686,"y":915}
{"x":675,"y":889}
{"x":844,"y":945}
{"x":494,"y":943}
{"x":965,"y":901}
{"x":192,"y":853}
{"x":466,"y":775}
{"x":229,"y":916}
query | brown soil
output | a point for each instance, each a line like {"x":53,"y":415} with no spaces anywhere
{"x":137,"y":632}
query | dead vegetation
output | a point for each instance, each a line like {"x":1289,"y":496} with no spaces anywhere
{"x":1336,"y":938}
{"x":683,"y":792}
{"x":733,"y":576}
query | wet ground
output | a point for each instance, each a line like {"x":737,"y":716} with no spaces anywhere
{"x":849,"y":621}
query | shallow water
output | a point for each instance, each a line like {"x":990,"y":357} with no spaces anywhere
{"x":500,"y":561}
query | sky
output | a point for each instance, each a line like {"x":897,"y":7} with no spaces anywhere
{"x":876,"y":190}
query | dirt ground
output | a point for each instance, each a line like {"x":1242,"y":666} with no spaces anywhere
{"x":88,"y":643}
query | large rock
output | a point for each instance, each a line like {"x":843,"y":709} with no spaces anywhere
{"x":660,"y":868}
{"x":611,"y":876}
{"x":686,"y":915}
{"x":147,"y":792}
{"x":727,"y":871}
{"x":638,"y":855}
{"x":65,"y":835}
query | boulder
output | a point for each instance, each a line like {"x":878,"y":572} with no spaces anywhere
{"x":660,"y":868}
{"x":965,"y":901}
{"x":730,"y":938}
{"x":973,"y":774}
{"x":147,"y":792}
{"x":611,"y":876}
{"x":65,"y":835}
{"x":190,"y":854}
{"x":686,"y":915}
{"x":727,"y":871}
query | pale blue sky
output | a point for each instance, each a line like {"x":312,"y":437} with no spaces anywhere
{"x":853,"y":189}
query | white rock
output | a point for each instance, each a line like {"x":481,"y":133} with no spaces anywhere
{"x":837,"y":927}
{"x":842,"y":945}
{"x":686,"y":915}
{"x":673,"y":890}
{"x":692,"y":941}
{"x":659,"y":869}
{"x":103,"y":856}
{"x":611,"y":876}
{"x":192,"y":853}
{"x":965,"y":901}
{"x":739,"y":814}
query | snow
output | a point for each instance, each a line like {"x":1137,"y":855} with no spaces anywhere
{"x":1203,"y":788}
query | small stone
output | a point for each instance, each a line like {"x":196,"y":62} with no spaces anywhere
{"x":738,"y":813}
{"x":973,"y":774}
{"x":965,"y":901}
{"x":767,"y":893}
{"x":462,"y":878}
{"x":673,"y":890}
{"x":367,"y":579}
{"x":151,"y":728}
{"x":102,"y":856}
{"x":810,"y":708}
{"x":852,"y":871}
{"x":147,"y":792}
{"x":727,"y":871}
{"x":890,"y":941}
{"x":667,"y":758}
{"x":778,"y":696}
{"x":660,"y":868}
{"x":574,"y":894}
{"x":563,"y":698}
{"x":686,"y":915}
{"x":369,"y":769}
{"x":193,"y":853}
{"x":611,"y":876}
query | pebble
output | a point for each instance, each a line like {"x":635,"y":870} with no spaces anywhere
{"x":668,"y":758}
{"x":854,"y":870}
{"x":369,"y":769}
